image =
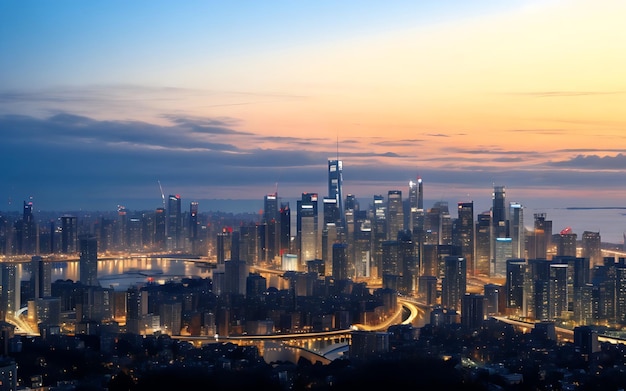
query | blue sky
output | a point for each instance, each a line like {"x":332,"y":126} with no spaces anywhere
{"x":100,"y":100}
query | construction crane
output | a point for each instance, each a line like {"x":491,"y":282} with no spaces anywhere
{"x":162,"y":195}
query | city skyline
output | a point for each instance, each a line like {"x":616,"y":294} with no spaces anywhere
{"x":100,"y":105}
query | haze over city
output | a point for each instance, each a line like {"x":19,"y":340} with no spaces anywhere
{"x":101,"y":101}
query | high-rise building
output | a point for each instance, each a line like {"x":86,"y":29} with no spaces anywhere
{"x":335,"y":185}
{"x":454,"y":284}
{"x":483,"y":244}
{"x":464,"y":234}
{"x":174,"y":223}
{"x":284,"y":241}
{"x":499,"y":218}
{"x":193,"y":227}
{"x":10,"y":292}
{"x":159,"y":229}
{"x":69,"y":234}
{"x":503,"y":251}
{"x":557,"y":296}
{"x":514,"y":288}
{"x":270,"y":207}
{"x":88,"y":263}
{"x":41,"y":277}
{"x":395,"y":214}
{"x":541,"y":237}
{"x":340,"y":261}
{"x":28,"y":230}
{"x":307,"y":226}
{"x":592,"y":248}
{"x":566,"y":243}
{"x":472,"y":310}
{"x":517,"y":229}
{"x":223,"y":245}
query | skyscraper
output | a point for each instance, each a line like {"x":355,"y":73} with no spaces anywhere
{"x":10,"y":291}
{"x":307,"y":226}
{"x":193,"y":226}
{"x":395,"y":214}
{"x":159,"y":229}
{"x":69,"y":234}
{"x":499,"y":221}
{"x":483,"y":244}
{"x":592,"y":249}
{"x":270,"y":208}
{"x":465,"y":234}
{"x":335,"y":184}
{"x":41,"y":277}
{"x":284,"y":241}
{"x":174,"y":223}
{"x":517,"y":230}
{"x":566,"y":245}
{"x":88,"y":263}
{"x":454,"y":283}
{"x":29,"y":230}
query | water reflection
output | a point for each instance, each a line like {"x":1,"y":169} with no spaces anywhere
{"x":121,"y":273}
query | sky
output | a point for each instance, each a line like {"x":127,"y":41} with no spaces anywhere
{"x":100,"y":102}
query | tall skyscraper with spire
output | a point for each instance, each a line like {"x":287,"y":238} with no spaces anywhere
{"x":307,"y":226}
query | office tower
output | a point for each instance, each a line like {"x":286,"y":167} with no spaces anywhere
{"x":331,"y":211}
{"x":592,"y":248}
{"x":557,"y":296}
{"x":414,"y":210}
{"x":235,"y":274}
{"x":335,"y":185}
{"x":454,"y":283}
{"x":363,"y":249}
{"x":503,"y":251}
{"x":136,"y":309}
{"x":174,"y":225}
{"x":391,"y":263}
{"x":120,"y":233}
{"x":605,"y":282}
{"x":134,"y":233}
{"x":10,"y":293}
{"x":330,"y":236}
{"x":88,"y":263}
{"x":566,"y":243}
{"x":171,"y":317}
{"x":69,"y":234}
{"x":379,"y":230}
{"x":536,"y":289}
{"x":395,"y":214}
{"x":584,"y":305}
{"x":256,"y":285}
{"x":514,"y":286}
{"x":41,"y":277}
{"x":541,"y":237}
{"x":271,"y":222}
{"x":285,"y":229}
{"x":495,"y":299}
{"x":464,"y":234}
{"x":248,"y":244}
{"x":577,"y":277}
{"x":427,"y":290}
{"x":483,"y":244}
{"x":223,"y":245}
{"x":193,"y":226}
{"x":499,"y":220}
{"x":408,"y":262}
{"x":340,"y":261}
{"x":28,"y":230}
{"x":159,"y":229}
{"x":620,"y":291}
{"x":307,"y":228}
{"x":517,"y":229}
{"x":270,"y":207}
{"x":472,"y":311}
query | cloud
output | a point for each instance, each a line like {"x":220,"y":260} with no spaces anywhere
{"x":594,"y":162}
